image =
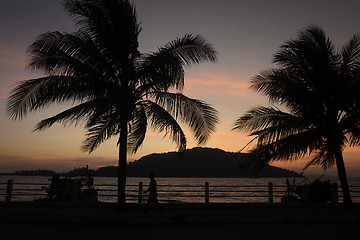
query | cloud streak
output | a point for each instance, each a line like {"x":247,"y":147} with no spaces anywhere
{"x":217,"y":85}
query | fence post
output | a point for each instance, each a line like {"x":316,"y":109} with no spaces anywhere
{"x":140,"y":192}
{"x":206,"y":192}
{"x":9,"y":188}
{"x":335,"y":193}
{"x":271,"y":192}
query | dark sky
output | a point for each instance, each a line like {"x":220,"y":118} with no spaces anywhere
{"x":246,"y":34}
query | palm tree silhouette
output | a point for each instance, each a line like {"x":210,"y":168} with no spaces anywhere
{"x":115,"y":90}
{"x":317,"y":88}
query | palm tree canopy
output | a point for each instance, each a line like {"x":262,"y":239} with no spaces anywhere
{"x":318,"y":89}
{"x":100,"y":70}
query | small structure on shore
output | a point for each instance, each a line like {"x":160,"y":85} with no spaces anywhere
{"x":65,"y":189}
{"x":316,"y":191}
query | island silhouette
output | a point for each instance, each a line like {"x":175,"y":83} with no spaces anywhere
{"x":195,"y":162}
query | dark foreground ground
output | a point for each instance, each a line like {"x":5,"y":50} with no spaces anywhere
{"x":180,"y":221}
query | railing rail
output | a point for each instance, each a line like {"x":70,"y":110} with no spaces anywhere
{"x":172,"y":193}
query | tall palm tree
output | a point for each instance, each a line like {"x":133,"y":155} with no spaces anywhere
{"x":115,"y":90}
{"x":317,"y":88}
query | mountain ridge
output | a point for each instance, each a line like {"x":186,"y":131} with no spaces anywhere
{"x":196,"y":162}
{"x":201,"y":162}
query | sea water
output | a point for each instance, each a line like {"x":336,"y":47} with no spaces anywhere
{"x":186,"y":190}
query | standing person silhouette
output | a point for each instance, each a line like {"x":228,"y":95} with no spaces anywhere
{"x":152,"y":198}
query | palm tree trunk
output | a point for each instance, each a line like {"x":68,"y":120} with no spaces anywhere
{"x":122,"y":166}
{"x":343,"y":179}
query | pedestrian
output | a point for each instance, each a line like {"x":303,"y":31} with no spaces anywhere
{"x":152,"y":198}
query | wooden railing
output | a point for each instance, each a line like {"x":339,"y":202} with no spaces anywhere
{"x":206,"y":193}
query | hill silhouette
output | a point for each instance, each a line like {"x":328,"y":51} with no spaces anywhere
{"x":196,"y":162}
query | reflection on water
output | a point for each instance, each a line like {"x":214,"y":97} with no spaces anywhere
{"x":221,"y":190}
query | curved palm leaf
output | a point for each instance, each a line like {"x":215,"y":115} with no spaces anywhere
{"x":69,"y":54}
{"x":159,"y":71}
{"x":112,"y":23}
{"x":351,"y":56}
{"x":162,"y":121}
{"x":106,"y":127}
{"x":282,"y":136}
{"x":74,"y":115}
{"x":200,"y":116}
{"x":35,"y":94}
{"x":261,"y":118}
{"x":191,"y":49}
{"x":164,"y":68}
{"x":137,"y":129}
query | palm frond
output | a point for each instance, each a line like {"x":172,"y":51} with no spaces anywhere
{"x":34,"y":94}
{"x":162,"y":121}
{"x":351,"y":57}
{"x":287,"y":148}
{"x":73,"y":115}
{"x":280,"y":136}
{"x":352,"y":126}
{"x":104,"y":129}
{"x":260,"y":118}
{"x":191,"y":49}
{"x":285,"y":87}
{"x":69,"y":54}
{"x":322,"y":158}
{"x":112,"y":23}
{"x":164,"y":68}
{"x":273,"y":83}
{"x":326,"y":153}
{"x":198,"y":115}
{"x":138,"y":127}
{"x":160,"y":71}
{"x":310,"y":50}
{"x":270,"y":125}
{"x":313,"y":59}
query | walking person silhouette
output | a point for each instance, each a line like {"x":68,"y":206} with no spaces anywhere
{"x":152,"y":198}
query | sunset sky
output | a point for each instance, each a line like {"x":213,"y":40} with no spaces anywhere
{"x":245,"y":34}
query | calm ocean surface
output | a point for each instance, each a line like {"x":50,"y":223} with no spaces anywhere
{"x":221,"y":190}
